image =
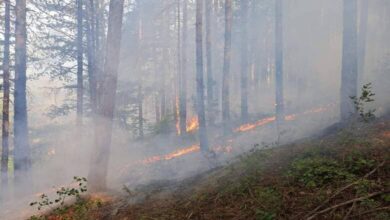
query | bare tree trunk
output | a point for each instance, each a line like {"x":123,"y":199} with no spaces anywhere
{"x":80,"y":86}
{"x":209,"y":65}
{"x":244,"y":60}
{"x":22,"y":160}
{"x":226,"y":67}
{"x":279,"y":62}
{"x":349,"y":72}
{"x":179,"y":73}
{"x":364,"y":4}
{"x":140,"y":112}
{"x":183,"y":84}
{"x":6,"y":95}
{"x":105,"y":112}
{"x":199,"y":78}
{"x":91,"y":53}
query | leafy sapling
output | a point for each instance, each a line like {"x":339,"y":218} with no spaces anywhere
{"x":64,"y":193}
{"x":361,"y":102}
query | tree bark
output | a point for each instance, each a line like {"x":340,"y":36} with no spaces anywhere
{"x":349,"y":72}
{"x":6,"y":96}
{"x":209,"y":64}
{"x":183,"y":84}
{"x":179,"y":72}
{"x":140,"y":112}
{"x":80,"y":86}
{"x":244,"y":60}
{"x":105,"y":112}
{"x":22,"y":160}
{"x":226,"y":67}
{"x":199,"y":78}
{"x":362,"y":38}
{"x":279,"y":62}
{"x":91,"y":53}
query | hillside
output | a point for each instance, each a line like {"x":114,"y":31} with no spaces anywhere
{"x":340,"y":174}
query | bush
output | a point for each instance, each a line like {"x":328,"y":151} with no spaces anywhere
{"x":318,"y":171}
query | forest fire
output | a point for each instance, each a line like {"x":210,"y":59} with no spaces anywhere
{"x":291,"y":117}
{"x":192,"y":124}
{"x":249,"y":126}
{"x":170,"y":156}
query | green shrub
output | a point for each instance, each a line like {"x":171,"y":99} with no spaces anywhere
{"x":318,"y":171}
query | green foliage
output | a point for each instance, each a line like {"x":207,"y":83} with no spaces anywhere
{"x":318,"y":171}
{"x":62,"y":194}
{"x":360,"y":103}
{"x":270,"y":200}
{"x":356,"y":163}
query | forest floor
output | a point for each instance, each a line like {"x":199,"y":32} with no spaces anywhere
{"x":344,"y":173}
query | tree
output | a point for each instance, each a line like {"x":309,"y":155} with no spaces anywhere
{"x":183,"y":84}
{"x":226,"y":66}
{"x":362,"y":38}
{"x":209,"y":63}
{"x":349,"y":71}
{"x":279,"y":61}
{"x":105,"y":111}
{"x":244,"y":60}
{"x":80,"y":64}
{"x":22,"y":161}
{"x":6,"y":96}
{"x":200,"y":107}
{"x":91,"y":52}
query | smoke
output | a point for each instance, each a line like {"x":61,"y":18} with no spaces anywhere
{"x":312,"y":54}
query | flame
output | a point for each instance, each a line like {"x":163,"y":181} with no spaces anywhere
{"x":174,"y":154}
{"x":192,"y":124}
{"x":262,"y":122}
{"x":249,"y":126}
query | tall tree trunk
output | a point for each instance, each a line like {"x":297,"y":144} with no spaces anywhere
{"x":140,"y":112}
{"x":199,"y":78}
{"x":22,"y":161}
{"x":244,"y":60}
{"x":6,"y":95}
{"x":183,"y":84}
{"x":362,"y":38}
{"x":91,"y":53}
{"x":349,"y":72}
{"x":279,"y":62}
{"x":179,"y":72}
{"x":105,"y":112}
{"x":226,"y":66}
{"x":80,"y":86}
{"x":209,"y":64}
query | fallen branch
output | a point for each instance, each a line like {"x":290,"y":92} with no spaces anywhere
{"x":346,"y":203}
{"x":371,"y":211}
{"x":349,"y":211}
{"x":342,"y":189}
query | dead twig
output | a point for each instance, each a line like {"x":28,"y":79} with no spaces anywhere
{"x":346,"y":203}
{"x":371,"y":211}
{"x":349,"y":211}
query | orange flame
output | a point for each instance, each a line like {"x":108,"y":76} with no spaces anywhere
{"x":249,"y":126}
{"x":192,"y":124}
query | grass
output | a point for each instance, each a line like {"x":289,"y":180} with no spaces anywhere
{"x":347,"y":169}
